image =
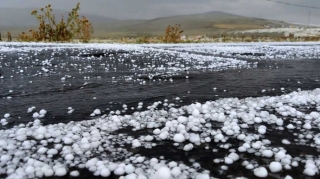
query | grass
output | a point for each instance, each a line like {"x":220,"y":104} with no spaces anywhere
{"x":198,"y":39}
{"x":204,"y":39}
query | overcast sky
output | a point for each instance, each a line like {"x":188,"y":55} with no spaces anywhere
{"x":148,"y":9}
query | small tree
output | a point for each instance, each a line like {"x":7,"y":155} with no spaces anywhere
{"x":50,"y":30}
{"x":224,"y":37}
{"x":9,"y":36}
{"x":242,"y":38}
{"x":172,"y":34}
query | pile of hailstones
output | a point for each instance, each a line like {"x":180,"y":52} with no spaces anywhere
{"x":33,"y":150}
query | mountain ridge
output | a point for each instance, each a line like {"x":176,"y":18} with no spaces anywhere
{"x":193,"y":24}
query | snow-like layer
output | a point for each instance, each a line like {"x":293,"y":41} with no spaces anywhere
{"x":256,"y":51}
{"x":156,"y":60}
{"x":34,"y":150}
{"x":303,"y":32}
{"x":272,"y":50}
{"x":175,"y":57}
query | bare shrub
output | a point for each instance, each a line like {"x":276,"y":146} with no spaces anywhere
{"x":9,"y":36}
{"x":172,"y":34}
{"x":64,"y":30}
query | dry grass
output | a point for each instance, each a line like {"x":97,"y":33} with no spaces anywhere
{"x":204,"y":39}
{"x":200,"y":39}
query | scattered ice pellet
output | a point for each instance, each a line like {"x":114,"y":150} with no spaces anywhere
{"x":163,"y":173}
{"x":7,"y":115}
{"x":61,"y":171}
{"x":260,"y":172}
{"x":105,"y":172}
{"x":285,"y":141}
{"x":74,"y":173}
{"x":35,"y":115}
{"x":267,"y":153}
{"x":43,"y":112}
{"x":275,"y":167}
{"x":179,"y":138}
{"x":97,"y":111}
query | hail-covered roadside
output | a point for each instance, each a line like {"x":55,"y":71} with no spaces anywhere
{"x":34,"y":150}
{"x":268,"y":136}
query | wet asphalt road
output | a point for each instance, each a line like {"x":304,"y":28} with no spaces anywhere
{"x":123,"y":83}
{"x":107,"y":83}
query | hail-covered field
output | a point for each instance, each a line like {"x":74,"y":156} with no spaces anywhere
{"x":160,"y":111}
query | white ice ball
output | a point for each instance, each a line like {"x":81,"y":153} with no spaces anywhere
{"x":179,"y":138}
{"x":105,"y":172}
{"x":97,"y":111}
{"x":43,"y":112}
{"x":275,"y":167}
{"x":129,"y":169}
{"x":74,"y":173}
{"x":119,"y":171}
{"x":163,"y":173}
{"x":260,"y":172}
{"x":35,"y":115}
{"x":60,"y":172}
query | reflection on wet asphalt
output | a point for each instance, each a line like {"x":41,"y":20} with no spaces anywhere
{"x":107,"y":83}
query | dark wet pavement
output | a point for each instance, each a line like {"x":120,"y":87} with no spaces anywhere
{"x":118,"y":80}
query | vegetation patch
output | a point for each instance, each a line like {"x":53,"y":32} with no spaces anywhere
{"x":173,"y":34}
{"x":51,"y":30}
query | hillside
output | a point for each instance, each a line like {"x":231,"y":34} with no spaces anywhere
{"x":209,"y":23}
